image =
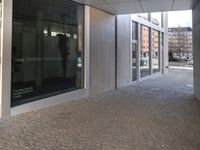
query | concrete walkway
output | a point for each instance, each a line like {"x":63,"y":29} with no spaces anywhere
{"x":157,"y":114}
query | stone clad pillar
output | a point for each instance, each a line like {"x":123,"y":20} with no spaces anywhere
{"x":5,"y":60}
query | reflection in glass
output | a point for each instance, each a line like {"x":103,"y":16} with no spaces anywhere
{"x":47,"y":49}
{"x":155,"y":52}
{"x":156,"y":18}
{"x":144,"y":16}
{"x":144,"y":52}
{"x":134,"y":50}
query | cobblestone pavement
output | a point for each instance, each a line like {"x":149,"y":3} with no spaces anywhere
{"x":156,"y":114}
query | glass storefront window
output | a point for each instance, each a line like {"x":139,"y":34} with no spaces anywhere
{"x":155,"y":51}
{"x":144,"y":52}
{"x":156,"y":18}
{"x":47,"y":49}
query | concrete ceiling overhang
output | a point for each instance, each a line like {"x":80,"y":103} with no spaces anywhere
{"x":139,"y":6}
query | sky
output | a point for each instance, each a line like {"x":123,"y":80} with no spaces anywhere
{"x":180,"y":18}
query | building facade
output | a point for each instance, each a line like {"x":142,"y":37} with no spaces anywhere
{"x":151,"y":43}
{"x":58,"y":51}
{"x":180,"y":42}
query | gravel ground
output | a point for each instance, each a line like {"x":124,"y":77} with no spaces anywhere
{"x":156,"y":114}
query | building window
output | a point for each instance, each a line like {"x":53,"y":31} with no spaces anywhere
{"x":47,"y":49}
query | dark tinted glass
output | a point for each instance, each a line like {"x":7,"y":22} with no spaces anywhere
{"x":47,"y":49}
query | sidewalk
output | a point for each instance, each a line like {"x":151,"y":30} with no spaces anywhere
{"x":184,"y":68}
{"x":156,"y":114}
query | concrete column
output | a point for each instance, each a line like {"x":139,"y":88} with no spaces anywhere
{"x":87,"y":48}
{"x":150,"y":50}
{"x":162,"y":19}
{"x":102,"y":51}
{"x":165,"y":59}
{"x":5,"y":61}
{"x":150,"y":46}
{"x":196,"y":49}
{"x":39,"y":48}
{"x":124,"y":50}
{"x":160,"y":46}
{"x":149,"y":17}
{"x":138,"y":51}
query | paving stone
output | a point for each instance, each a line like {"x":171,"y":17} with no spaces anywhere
{"x":156,"y":114}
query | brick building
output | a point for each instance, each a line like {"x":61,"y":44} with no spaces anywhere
{"x":180,"y":42}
